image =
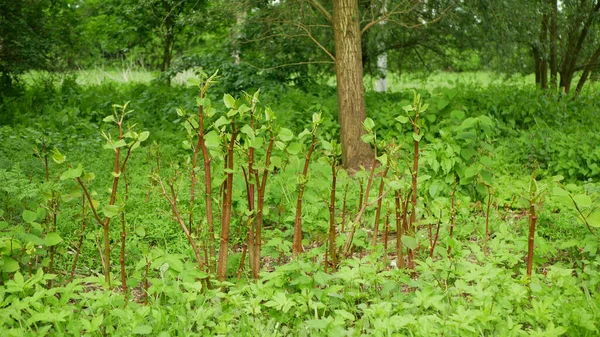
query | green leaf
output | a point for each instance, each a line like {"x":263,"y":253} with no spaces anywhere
{"x":58,"y":157}
{"x":457,"y":114}
{"x":383,"y":159}
{"x":367,"y":138}
{"x":110,"y":210}
{"x":109,"y":119}
{"x":433,"y":189}
{"x":344,"y":314}
{"x":317,"y":324}
{"x":402,"y":119}
{"x":142,"y":330}
{"x":368,"y":124}
{"x":53,"y":239}
{"x":29,"y":216}
{"x":486,"y":176}
{"x":72,"y":173}
{"x":316,"y":118}
{"x":559,"y":192}
{"x":294,"y":148}
{"x":243,"y":109}
{"x":417,"y":137}
{"x":326,"y":145}
{"x":222,"y":121}
{"x":409,"y":242}
{"x":247,"y":130}
{"x":140,"y":231}
{"x":193,"y":82}
{"x":304,"y":133}
{"x":143,"y":136}
{"x":229,"y":101}
{"x":471,"y":171}
{"x":285,"y":135}
{"x":212,"y":140}
{"x":582,"y":200}
{"x":9,"y":265}
{"x":594,"y":219}
{"x":119,"y":143}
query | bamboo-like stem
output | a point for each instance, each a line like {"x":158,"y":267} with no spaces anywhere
{"x":261,"y":186}
{"x":78,"y":251}
{"x":242,"y":260}
{"x":332,"y":225}
{"x":435,"y":238}
{"x":250,"y":191}
{"x":487,"y":221}
{"x":452,"y":215}
{"x":406,"y":229}
{"x":386,"y":231}
{"x":530,"y":242}
{"x":344,"y":208}
{"x":226,"y":214}
{"x":122,"y":256}
{"x":297,"y":241}
{"x":378,"y":210}
{"x":350,"y":237}
{"x":172,"y":199}
{"x":399,"y":231}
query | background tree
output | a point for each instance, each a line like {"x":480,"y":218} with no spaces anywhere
{"x":34,"y":35}
{"x":562,"y":38}
{"x":336,"y":28}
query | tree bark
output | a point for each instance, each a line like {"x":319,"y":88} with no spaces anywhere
{"x":575,"y":46}
{"x":350,"y":86}
{"x":587,"y":70}
{"x":167,"y":47}
{"x":544,"y":54}
{"x":537,"y":65}
{"x":554,"y":44}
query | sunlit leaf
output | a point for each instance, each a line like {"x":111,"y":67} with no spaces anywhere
{"x":52,"y":239}
{"x":582,"y":200}
{"x":72,"y":173}
{"x":409,"y":242}
{"x":229,"y":101}
{"x":110,"y":210}
{"x":285,"y":135}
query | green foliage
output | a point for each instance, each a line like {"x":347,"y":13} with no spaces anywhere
{"x":467,"y":142}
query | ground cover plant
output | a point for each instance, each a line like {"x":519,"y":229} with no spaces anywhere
{"x":139,"y":209}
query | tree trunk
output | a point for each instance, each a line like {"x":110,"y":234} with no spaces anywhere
{"x":350,"y":86}
{"x":537,"y":65}
{"x":544,"y":54}
{"x":587,"y":70}
{"x":553,"y":44}
{"x":575,"y":46}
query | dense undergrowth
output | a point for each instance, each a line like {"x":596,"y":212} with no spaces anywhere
{"x":489,"y":157}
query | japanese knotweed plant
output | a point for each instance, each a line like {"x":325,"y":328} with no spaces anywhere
{"x":233,"y":138}
{"x":125,"y":141}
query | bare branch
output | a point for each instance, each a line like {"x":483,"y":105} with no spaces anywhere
{"x":288,"y":64}
{"x":310,"y":36}
{"x":397,"y":11}
{"x":319,"y":7}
